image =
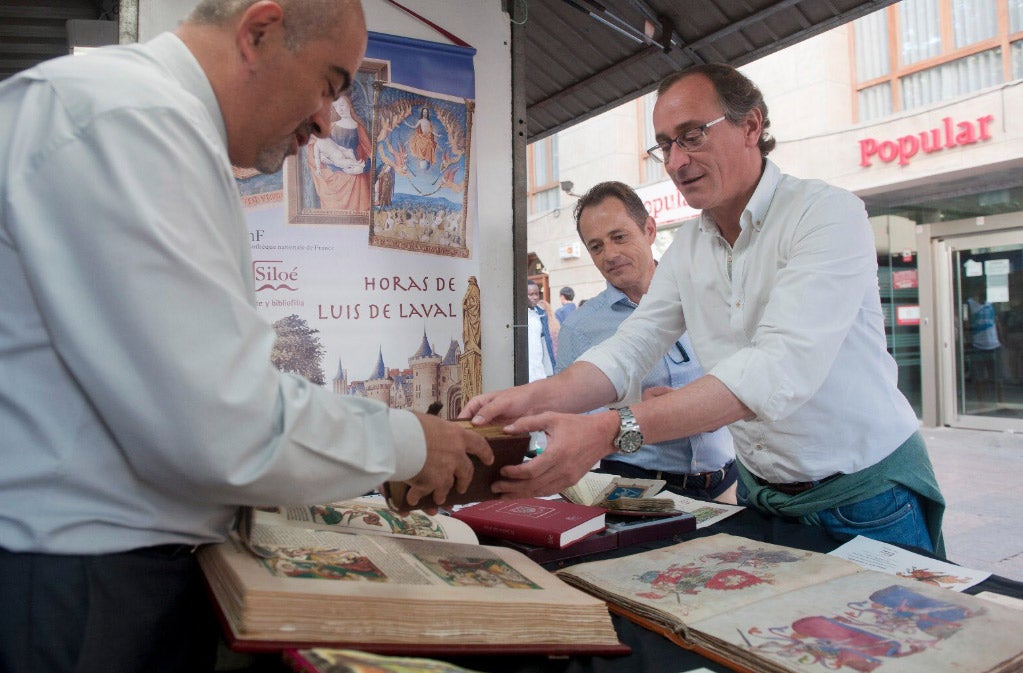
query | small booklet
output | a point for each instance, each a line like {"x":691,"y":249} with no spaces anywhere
{"x":707,"y":512}
{"x":888,"y":558}
{"x":614,"y":492}
{"x":355,"y":574}
{"x":758,"y":607}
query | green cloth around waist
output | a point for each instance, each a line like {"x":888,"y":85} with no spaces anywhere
{"x":908,"y":466}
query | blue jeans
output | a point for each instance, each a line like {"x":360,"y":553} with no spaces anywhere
{"x":894,"y":515}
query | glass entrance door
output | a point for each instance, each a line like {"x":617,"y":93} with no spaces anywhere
{"x":985,"y":362}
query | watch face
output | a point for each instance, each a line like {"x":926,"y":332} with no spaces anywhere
{"x":630,"y":441}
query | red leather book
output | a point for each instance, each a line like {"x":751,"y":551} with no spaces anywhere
{"x":620,"y":532}
{"x":547,"y":523}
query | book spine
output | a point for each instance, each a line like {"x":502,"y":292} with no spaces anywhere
{"x":516,"y":533}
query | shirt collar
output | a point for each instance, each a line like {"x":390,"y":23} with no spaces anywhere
{"x":616,"y":296}
{"x":182,"y":65}
{"x":756,"y":210}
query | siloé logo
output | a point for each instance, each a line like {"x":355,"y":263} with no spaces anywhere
{"x":273,"y":274}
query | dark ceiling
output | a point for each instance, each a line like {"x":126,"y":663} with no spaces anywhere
{"x":584,"y":57}
{"x":33,"y":31}
{"x":581,"y":57}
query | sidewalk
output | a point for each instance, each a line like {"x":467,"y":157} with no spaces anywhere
{"x":979,"y":473}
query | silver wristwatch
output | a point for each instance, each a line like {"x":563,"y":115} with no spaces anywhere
{"x":629,"y":437}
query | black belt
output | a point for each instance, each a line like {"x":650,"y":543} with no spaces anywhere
{"x":795,"y":487}
{"x":698,"y":480}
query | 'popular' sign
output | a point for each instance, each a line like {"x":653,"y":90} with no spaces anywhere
{"x":950,"y":134}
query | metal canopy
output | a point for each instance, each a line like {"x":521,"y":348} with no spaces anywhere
{"x":583,"y":57}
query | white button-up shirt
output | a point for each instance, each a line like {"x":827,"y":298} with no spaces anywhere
{"x":138,"y":404}
{"x":789,"y":319}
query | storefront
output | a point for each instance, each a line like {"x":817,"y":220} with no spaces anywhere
{"x":944,"y":189}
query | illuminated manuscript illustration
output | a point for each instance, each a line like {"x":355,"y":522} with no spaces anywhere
{"x":421,"y":170}
{"x":775,"y":608}
{"x":324,"y":564}
{"x":477,"y":572}
{"x":891,"y":623}
{"x":330,"y":180}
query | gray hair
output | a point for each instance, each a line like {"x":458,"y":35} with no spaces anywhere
{"x":305,"y":19}
{"x":737,"y":94}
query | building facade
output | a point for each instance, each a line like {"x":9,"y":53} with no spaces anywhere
{"x":916,"y":109}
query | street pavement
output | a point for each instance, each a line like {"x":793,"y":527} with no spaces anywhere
{"x":978,"y":471}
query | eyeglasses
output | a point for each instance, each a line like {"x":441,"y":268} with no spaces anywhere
{"x":690,"y":141}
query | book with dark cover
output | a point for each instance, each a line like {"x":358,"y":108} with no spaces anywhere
{"x":508,"y":450}
{"x":620,"y":532}
{"x":632,"y":531}
{"x":547,"y":523}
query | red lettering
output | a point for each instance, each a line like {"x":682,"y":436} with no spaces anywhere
{"x":966,"y":136}
{"x":887,"y":151}
{"x":868,"y":148}
{"x":983,"y":122}
{"x":908,"y":146}
{"x":948,"y":135}
{"x":935,"y":140}
{"x":949,"y":141}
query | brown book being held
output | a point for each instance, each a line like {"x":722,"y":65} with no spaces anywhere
{"x":508,"y":450}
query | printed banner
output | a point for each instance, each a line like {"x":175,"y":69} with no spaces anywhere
{"x":362,"y":245}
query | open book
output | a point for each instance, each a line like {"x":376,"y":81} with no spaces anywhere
{"x":393,"y":585}
{"x":757,"y":607}
{"x":615,"y":492}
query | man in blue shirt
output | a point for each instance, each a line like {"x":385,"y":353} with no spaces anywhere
{"x":567,"y":297}
{"x":618,"y":232}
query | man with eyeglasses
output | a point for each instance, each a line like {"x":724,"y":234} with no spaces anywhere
{"x":617,"y":231}
{"x":776,"y":283}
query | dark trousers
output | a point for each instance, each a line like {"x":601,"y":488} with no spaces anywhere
{"x":144,"y":611}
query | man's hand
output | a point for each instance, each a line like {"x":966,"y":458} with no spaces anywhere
{"x":574,"y":444}
{"x":504,"y":406}
{"x":580,"y":387}
{"x":448,"y":447}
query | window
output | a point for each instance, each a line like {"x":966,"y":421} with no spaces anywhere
{"x":920,"y":52}
{"x":919,"y":30}
{"x":951,"y":80}
{"x":544,"y":188}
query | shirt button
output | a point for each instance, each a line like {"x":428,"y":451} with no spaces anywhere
{"x":738,"y":304}
{"x":758,"y":446}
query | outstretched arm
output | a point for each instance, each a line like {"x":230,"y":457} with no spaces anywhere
{"x":580,"y":387}
{"x":575,"y":443}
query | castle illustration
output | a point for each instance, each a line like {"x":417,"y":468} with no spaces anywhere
{"x":429,"y":378}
